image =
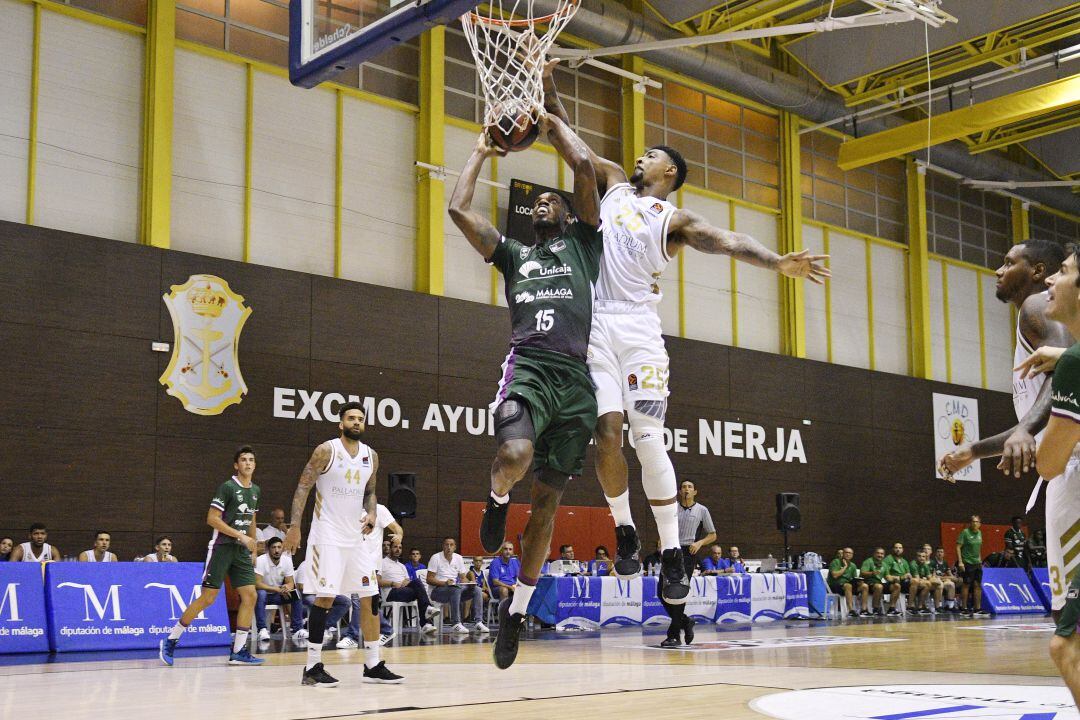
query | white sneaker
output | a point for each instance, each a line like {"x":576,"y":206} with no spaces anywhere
{"x":459,"y":629}
{"x":432,"y":611}
{"x":347,"y":644}
{"x":264,"y":635}
{"x":300,"y":634}
{"x":429,"y":629}
{"x":328,"y":634}
{"x":481,"y":628}
{"x":385,"y":639}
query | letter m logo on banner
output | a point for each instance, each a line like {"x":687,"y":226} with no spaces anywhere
{"x":177,"y":605}
{"x":91,"y":598}
{"x":10,"y":602}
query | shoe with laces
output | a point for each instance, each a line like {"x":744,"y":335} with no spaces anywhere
{"x":429,"y":629}
{"x":318,"y":677}
{"x":505,"y":648}
{"x":386,"y":639}
{"x":264,"y":635}
{"x":381,"y":674}
{"x":244,"y":657}
{"x":347,"y":643}
{"x":459,"y":629}
{"x":481,"y":628}
{"x":300,"y":634}
{"x":166,"y":650}
{"x":627,"y":563}
{"x":676,"y":586}
{"x":493,"y":525}
{"x":671,"y":642}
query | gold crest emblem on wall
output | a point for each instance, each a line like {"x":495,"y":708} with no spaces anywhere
{"x":204,"y":372}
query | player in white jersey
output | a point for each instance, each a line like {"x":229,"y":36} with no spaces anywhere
{"x":36,"y":550}
{"x":1021,"y":281}
{"x":627,"y":359}
{"x":343,"y":472}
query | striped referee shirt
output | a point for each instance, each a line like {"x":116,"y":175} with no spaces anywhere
{"x":690,"y":519}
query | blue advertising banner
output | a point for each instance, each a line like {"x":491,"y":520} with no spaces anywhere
{"x":816,"y":590}
{"x":1041,"y":580}
{"x":1008,"y":591}
{"x":23,"y":623}
{"x":127,"y":606}
{"x":733,"y":598}
{"x":795,"y":599}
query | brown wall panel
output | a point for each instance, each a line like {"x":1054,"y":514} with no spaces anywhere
{"x":837,"y":394}
{"x":700,"y":371}
{"x":473,"y":340}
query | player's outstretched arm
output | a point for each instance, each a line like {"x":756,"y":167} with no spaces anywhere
{"x":575,"y":153}
{"x":607,"y":172}
{"x":308,"y":477}
{"x":476,"y":228}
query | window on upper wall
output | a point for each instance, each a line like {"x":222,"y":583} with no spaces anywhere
{"x":259,"y":29}
{"x":592,"y":97}
{"x":132,"y":11}
{"x":729,"y":149}
{"x":1053,"y":227}
{"x":966,"y":224}
{"x":870,"y":200}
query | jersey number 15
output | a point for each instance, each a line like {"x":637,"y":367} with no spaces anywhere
{"x":545,"y":319}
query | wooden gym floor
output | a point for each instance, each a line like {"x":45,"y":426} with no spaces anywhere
{"x":572,"y":675}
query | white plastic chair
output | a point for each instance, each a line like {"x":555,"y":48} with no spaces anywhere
{"x":394,"y":611}
{"x":283,"y":618}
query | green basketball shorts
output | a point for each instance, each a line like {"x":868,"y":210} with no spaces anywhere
{"x":231,"y":560}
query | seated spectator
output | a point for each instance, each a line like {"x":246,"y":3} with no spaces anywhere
{"x":872,"y":572}
{"x":1036,"y":549}
{"x":162,"y":551}
{"x":100,"y":551}
{"x":446,"y":577}
{"x":397,"y":586}
{"x":342,"y":606}
{"x":36,"y":550}
{"x":601,"y":563}
{"x":276,"y":529}
{"x":479,"y":576}
{"x":503,"y":572}
{"x":1016,"y":539}
{"x":844,"y":580}
{"x":714,"y":563}
{"x":652,"y":560}
{"x":898,"y":575}
{"x":414,"y":566}
{"x":1004,"y":559}
{"x":6,"y":544}
{"x":275,"y":581}
{"x":921,"y":575}
{"x":942,"y":581}
{"x":735,"y":563}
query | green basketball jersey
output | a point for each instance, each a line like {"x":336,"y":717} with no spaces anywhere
{"x":1066,"y":385}
{"x":238,"y":505}
{"x":549,"y":289}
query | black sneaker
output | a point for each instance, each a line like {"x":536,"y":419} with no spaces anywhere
{"x":893,"y":613}
{"x":676,"y":586}
{"x":505,"y":648}
{"x":627,"y":561}
{"x":853,"y":614}
{"x":318,"y":677}
{"x":671,"y":642}
{"x":381,"y":674}
{"x":688,"y":631}
{"x":924,"y":611}
{"x":493,"y":525}
{"x":866,"y":614}
{"x":982,"y":613}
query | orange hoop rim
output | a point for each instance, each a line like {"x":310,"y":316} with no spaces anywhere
{"x":527,"y":22}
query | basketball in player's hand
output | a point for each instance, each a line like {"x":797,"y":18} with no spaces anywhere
{"x":513,"y":133}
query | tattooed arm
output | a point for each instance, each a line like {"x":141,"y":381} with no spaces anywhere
{"x":370,"y":501}
{"x":315,"y":466}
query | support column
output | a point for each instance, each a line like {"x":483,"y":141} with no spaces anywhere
{"x":156,"y":195}
{"x":1021,"y":221}
{"x":31,"y":149}
{"x":792,"y":298}
{"x":922,"y":364}
{"x":431,"y":191}
{"x":633,"y":113}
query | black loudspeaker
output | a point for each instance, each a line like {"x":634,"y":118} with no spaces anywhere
{"x":402,"y":494}
{"x":788,"y":516}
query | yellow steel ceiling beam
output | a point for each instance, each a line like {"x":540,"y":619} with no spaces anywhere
{"x":1024,"y":132}
{"x":1005,"y":110}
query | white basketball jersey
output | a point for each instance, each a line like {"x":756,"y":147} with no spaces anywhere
{"x":339,"y":498}
{"x":635,"y":245}
{"x":1024,"y":390}
{"x":28,"y":553}
{"x":91,"y":557}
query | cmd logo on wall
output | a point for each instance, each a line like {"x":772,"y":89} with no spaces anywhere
{"x":926,"y":702}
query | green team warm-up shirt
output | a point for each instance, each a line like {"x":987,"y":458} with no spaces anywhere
{"x":971,"y":544}
{"x":238,"y":505}
{"x":850,"y":572}
{"x":549,"y":289}
{"x":896,"y":566}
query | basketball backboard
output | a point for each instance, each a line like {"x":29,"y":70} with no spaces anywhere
{"x":328,"y":36}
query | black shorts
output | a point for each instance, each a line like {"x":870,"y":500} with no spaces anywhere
{"x":838,"y":587}
{"x":972,"y":573}
{"x":905,"y":585}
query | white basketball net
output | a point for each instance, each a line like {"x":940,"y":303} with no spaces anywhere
{"x":509,"y":43}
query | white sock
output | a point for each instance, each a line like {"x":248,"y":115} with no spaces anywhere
{"x":241,"y":639}
{"x":314,"y":654}
{"x":620,"y":509}
{"x":522,"y":595}
{"x":371,"y":653}
{"x":176,"y":631}
{"x":500,"y":499}
{"x":667,"y":524}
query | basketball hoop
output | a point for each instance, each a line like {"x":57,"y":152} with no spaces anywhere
{"x":509,"y":43}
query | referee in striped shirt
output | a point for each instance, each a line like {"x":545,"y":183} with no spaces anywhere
{"x":693,"y":516}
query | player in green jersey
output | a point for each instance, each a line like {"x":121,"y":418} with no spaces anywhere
{"x":545,"y":410}
{"x":231,"y":553}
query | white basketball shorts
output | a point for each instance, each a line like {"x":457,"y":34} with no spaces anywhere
{"x":627,"y":357}
{"x":1063,"y":530}
{"x":341,"y":571}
